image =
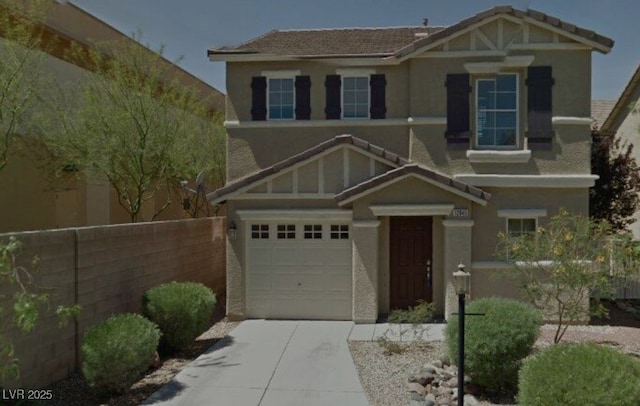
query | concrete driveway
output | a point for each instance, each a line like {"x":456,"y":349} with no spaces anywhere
{"x":271,"y":363}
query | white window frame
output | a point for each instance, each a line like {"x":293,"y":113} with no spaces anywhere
{"x":281,"y":74}
{"x":516,"y":145}
{"x":368,"y":78}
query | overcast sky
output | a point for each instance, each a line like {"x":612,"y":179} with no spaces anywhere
{"x":188,"y":28}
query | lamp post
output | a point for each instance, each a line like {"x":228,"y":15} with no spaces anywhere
{"x":461,"y":283}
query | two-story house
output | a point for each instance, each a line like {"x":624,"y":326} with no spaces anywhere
{"x":365,"y":164}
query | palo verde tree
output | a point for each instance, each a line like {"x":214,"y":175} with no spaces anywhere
{"x":134,"y":123}
{"x":20,"y":69}
{"x":616,"y":194}
{"x":563,"y":264}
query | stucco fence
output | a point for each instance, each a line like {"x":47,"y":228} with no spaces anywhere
{"x":106,"y":270}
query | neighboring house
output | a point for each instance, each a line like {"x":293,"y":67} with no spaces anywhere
{"x":365,"y":164}
{"x":623,"y":120}
{"x":28,"y":199}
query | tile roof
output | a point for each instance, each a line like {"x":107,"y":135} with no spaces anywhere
{"x":332,"y":42}
{"x":600,"y":110}
{"x":409,"y":169}
{"x":385,"y":42}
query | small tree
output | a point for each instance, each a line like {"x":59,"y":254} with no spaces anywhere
{"x":562,"y":264}
{"x":26,"y":301}
{"x":137,"y":125}
{"x":616,"y":194}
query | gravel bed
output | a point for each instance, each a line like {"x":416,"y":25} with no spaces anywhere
{"x":384,"y":376}
{"x":75,"y":390}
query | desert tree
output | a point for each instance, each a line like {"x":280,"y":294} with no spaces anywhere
{"x":565,"y":263}
{"x":133,"y":122}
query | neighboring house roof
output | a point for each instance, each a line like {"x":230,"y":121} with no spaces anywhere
{"x":395,"y":42}
{"x":600,"y":110}
{"x":401,"y":165}
{"x":622,"y":105}
{"x":67,"y":23}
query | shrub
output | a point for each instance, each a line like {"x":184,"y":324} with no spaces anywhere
{"x":580,"y":374}
{"x":418,"y":314}
{"x":183,"y":311}
{"x":496,"y":342}
{"x":117,"y":351}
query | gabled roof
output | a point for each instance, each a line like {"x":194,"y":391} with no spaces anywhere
{"x":247,"y":182}
{"x":371,"y":185}
{"x":395,"y":42}
{"x":401,"y":168}
{"x":622,"y":104}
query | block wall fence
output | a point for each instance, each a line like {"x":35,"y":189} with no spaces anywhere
{"x":106,"y":270}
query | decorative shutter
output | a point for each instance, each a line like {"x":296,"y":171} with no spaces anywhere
{"x":303,"y":98}
{"x":458,"y":91}
{"x":259,"y":98}
{"x":332,"y":85}
{"x":539,"y":108}
{"x":378,"y":85}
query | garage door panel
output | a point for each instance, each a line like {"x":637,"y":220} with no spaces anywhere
{"x":299,"y":278}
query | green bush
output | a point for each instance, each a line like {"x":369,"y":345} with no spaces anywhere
{"x":496,"y":342}
{"x":117,"y":351}
{"x":183,"y":311}
{"x":579,"y":374}
{"x":418,"y":314}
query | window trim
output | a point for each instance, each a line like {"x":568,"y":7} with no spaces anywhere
{"x":493,"y":78}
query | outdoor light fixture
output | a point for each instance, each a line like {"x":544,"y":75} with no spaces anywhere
{"x":461,"y":281}
{"x":462,"y":285}
{"x":232,"y":232}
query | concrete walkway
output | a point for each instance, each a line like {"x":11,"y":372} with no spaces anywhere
{"x":272,"y":363}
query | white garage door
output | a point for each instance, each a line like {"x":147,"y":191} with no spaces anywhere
{"x":299,"y":270}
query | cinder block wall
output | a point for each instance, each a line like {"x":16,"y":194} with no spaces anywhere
{"x":106,"y":270}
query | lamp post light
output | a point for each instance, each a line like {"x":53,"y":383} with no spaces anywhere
{"x":462,"y":284}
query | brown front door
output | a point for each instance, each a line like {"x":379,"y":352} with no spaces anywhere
{"x":411,"y":249}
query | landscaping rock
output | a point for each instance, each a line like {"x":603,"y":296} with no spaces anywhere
{"x":416,"y":388}
{"x":470,"y":400}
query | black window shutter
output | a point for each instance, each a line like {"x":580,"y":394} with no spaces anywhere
{"x":303,"y":98}
{"x":332,"y":85}
{"x":458,"y":91}
{"x":378,"y":107}
{"x":259,"y":98}
{"x":539,"y":108}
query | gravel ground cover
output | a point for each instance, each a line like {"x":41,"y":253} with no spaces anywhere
{"x":384,"y":376}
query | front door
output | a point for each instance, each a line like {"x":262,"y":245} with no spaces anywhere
{"x":410,"y":260}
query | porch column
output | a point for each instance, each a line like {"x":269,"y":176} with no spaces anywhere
{"x":365,"y":271}
{"x":457,"y":249}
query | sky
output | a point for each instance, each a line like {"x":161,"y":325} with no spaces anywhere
{"x":187,"y":28}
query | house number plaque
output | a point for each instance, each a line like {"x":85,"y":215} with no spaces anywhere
{"x":460,"y":213}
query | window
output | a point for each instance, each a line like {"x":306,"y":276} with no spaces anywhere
{"x":355,"y":97}
{"x":520,"y":227}
{"x":313,"y":231}
{"x":497,"y":111}
{"x":281,"y":96}
{"x":259,"y":231}
{"x":339,"y":232}
{"x":286,"y":231}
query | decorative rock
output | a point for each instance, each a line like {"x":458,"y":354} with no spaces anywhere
{"x":444,"y":359}
{"x":422,"y":378}
{"x":470,"y":400}
{"x":429,"y":402}
{"x":429,"y":368}
{"x":416,"y":397}
{"x":416,"y":388}
{"x":430,"y":398}
{"x":453,"y":382}
{"x":437,"y":364}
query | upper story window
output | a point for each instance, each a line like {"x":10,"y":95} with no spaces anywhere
{"x":281,"y":96}
{"x":497,"y":111}
{"x":355,"y":97}
{"x":497,"y":105}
